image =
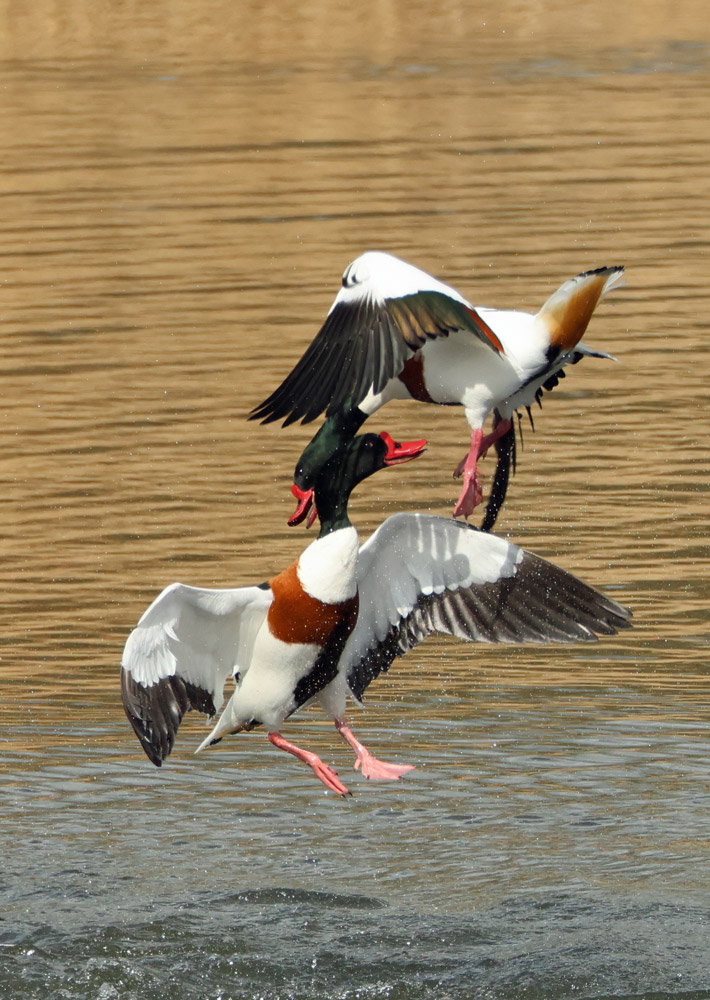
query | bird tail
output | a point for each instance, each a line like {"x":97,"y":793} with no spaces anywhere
{"x":582,"y":351}
{"x":567,"y":312}
{"x":223,"y":728}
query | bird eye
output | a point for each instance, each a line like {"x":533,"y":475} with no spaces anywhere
{"x":354,"y":276}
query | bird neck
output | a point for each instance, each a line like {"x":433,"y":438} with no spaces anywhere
{"x":332,"y":508}
{"x":334,"y":483}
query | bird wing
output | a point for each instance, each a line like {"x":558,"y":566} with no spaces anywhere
{"x":181,"y":652}
{"x":385,"y":311}
{"x":418,"y":574}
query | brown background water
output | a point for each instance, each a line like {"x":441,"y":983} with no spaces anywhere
{"x":181,"y":186}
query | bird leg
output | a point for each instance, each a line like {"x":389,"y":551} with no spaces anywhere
{"x":378,"y":770}
{"x":472,"y":492}
{"x":500,"y":429}
{"x":322,"y":771}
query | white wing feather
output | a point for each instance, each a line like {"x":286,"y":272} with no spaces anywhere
{"x":414,"y":554}
{"x":202,"y":635}
{"x":378,"y":276}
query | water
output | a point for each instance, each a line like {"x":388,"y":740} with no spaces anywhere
{"x":181,"y":188}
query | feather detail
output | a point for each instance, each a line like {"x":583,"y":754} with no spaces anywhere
{"x":420,"y":573}
{"x":567,"y":312}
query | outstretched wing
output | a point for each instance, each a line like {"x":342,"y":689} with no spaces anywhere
{"x":181,"y":652}
{"x":418,"y":574}
{"x":385,"y":311}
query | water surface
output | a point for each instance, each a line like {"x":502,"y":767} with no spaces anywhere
{"x":182,"y":186}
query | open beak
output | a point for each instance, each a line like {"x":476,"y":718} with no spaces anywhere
{"x":306,"y":507}
{"x":399,"y":453}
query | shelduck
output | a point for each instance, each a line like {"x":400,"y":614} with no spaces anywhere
{"x":327,"y":625}
{"x":395,"y":332}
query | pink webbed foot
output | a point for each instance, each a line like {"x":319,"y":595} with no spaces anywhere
{"x":471,"y":496}
{"x":379,"y":770}
{"x":472,"y":491}
{"x":458,"y":471}
{"x":324,"y":773}
{"x":369,"y":766}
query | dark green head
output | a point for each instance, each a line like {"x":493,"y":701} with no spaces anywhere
{"x":339,"y":475}
{"x":336,"y":432}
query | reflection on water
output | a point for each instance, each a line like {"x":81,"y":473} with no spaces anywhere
{"x":181,"y":188}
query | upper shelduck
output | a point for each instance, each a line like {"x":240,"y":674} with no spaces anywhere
{"x":396,"y":332}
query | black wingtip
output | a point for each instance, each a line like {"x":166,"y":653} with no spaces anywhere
{"x":156,"y":711}
{"x":579,"y":605}
{"x":265,"y":413}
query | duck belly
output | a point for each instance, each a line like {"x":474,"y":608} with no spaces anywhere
{"x":267,"y":691}
{"x":460,"y":370}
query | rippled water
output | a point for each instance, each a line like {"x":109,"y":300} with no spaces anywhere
{"x":181,"y":188}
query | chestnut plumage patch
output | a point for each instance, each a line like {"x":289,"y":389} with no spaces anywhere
{"x":296,"y":617}
{"x":412,"y":375}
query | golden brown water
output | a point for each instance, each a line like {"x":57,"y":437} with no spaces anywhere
{"x":181,"y":187}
